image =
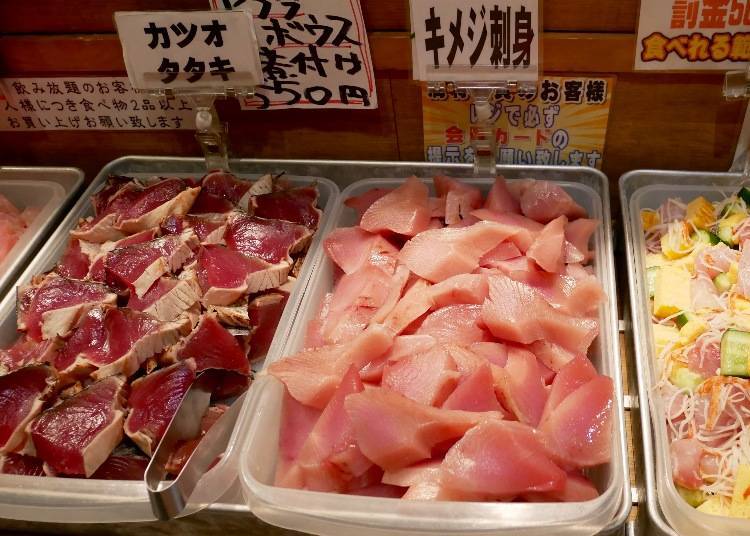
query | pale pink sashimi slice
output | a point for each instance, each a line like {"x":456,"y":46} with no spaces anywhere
{"x":353,"y":247}
{"x":577,"y":488}
{"x":548,"y":248}
{"x":686,"y":455}
{"x":578,"y":233}
{"x":460,"y":289}
{"x":476,"y":392}
{"x":456,"y":324}
{"x":577,"y":297}
{"x":403,"y":346}
{"x":394,"y":431}
{"x":578,"y":432}
{"x":501,"y":459}
{"x":416,"y":301}
{"x":362,"y":202}
{"x":574,"y":374}
{"x":460,"y":199}
{"x":522,"y":230}
{"x":427,"y":378}
{"x":297,"y":421}
{"x":404,"y":211}
{"x":503,"y":252}
{"x":523,"y":387}
{"x":494,"y":352}
{"x":500,"y":199}
{"x":554,"y":356}
{"x":438,"y":254}
{"x":544,"y":201}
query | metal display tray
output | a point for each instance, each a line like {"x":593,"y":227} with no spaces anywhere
{"x":66,"y":500}
{"x":647,"y":189}
{"x":52,"y":190}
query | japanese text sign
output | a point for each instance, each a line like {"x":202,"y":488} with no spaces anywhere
{"x":195,"y":50}
{"x":693,"y":34}
{"x":88,"y":103}
{"x":560,"y":121}
{"x":314,"y":54}
{"x":475,"y":40}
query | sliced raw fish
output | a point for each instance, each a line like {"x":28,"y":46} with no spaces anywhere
{"x":570,"y":377}
{"x":353,"y":247}
{"x":169,"y":297}
{"x":113,"y":341}
{"x":475,"y":392}
{"x":494,"y":352}
{"x":544,"y":201}
{"x":460,"y":198}
{"x":501,"y":459}
{"x":362,"y":202}
{"x":311,"y":376}
{"x":22,"y":395}
{"x":460,"y":289}
{"x":516,"y":312}
{"x":415,"y":302}
{"x":180,"y":456}
{"x":54,"y":308}
{"x":114,"y":186}
{"x":578,"y":297}
{"x":395,"y":432}
{"x":579,"y":430}
{"x":73,"y":264}
{"x":209,"y":228}
{"x":503,"y":252}
{"x":428,"y":378}
{"x":155,"y":203}
{"x":500,"y":199}
{"x":578,"y":233}
{"x":403,"y":346}
{"x":296,"y":205}
{"x":686,"y":455}
{"x":24,"y":352}
{"x":330,"y":457}
{"x":226,"y":275}
{"x":273,"y":241}
{"x":21,"y":464}
{"x":413,"y":474}
{"x":455,"y":324}
{"x":122,"y":468}
{"x":554,"y":356}
{"x":523,"y":386}
{"x":548,"y":248}
{"x":577,"y":488}
{"x":404,"y":211}
{"x":220,"y":192}
{"x":98,"y":252}
{"x":77,"y":435}
{"x":211,"y":346}
{"x":704,"y":294}
{"x":137,"y":267}
{"x":743,"y":276}
{"x":153,"y":401}
{"x":438,"y":254}
{"x":521,"y":230}
{"x":705,"y":356}
{"x":297,"y":421}
{"x":264,"y":313}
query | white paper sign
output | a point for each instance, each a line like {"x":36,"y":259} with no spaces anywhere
{"x":195,"y":50}
{"x":314,"y":54}
{"x":693,"y":35}
{"x":91,"y":103}
{"x":475,"y":40}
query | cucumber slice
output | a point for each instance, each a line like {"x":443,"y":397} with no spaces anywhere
{"x":685,"y":378}
{"x":651,"y":272}
{"x":683,"y":318}
{"x":744,"y":193}
{"x":735,"y":351}
{"x":707,"y":237}
{"x":724,"y":233}
{"x":722,"y":282}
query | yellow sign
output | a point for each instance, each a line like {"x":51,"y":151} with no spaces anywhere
{"x":563,"y":122}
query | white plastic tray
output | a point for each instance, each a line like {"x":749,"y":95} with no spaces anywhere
{"x":339,"y":515}
{"x":49,"y":190}
{"x":66,"y":500}
{"x":648,"y":189}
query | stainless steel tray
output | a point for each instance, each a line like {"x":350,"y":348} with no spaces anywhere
{"x":687,"y":185}
{"x":54,"y":188}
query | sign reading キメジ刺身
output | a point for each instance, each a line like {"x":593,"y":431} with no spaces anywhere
{"x":189,"y":50}
{"x":563,"y":121}
{"x":475,"y":40}
{"x":693,"y":34}
{"x":314,"y":54}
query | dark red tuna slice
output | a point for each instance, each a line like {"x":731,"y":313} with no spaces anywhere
{"x":20,"y":464}
{"x":113,"y":341}
{"x":76,"y":436}
{"x":208,"y":227}
{"x":122,"y":468}
{"x":296,"y":205}
{"x":24,"y":352}
{"x":213,"y":347}
{"x":55,"y":306}
{"x":139,"y":266}
{"x":169,"y":297}
{"x":22,"y":395}
{"x":73,"y":264}
{"x":103,"y":198}
{"x":97,"y":271}
{"x":220,"y":192}
{"x":182,"y":453}
{"x":154,"y":400}
{"x":271,"y":240}
{"x":264,"y":313}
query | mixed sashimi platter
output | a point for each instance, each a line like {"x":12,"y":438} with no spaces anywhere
{"x":698,"y":273}
{"x":169,"y":281}
{"x":450,"y":360}
{"x":13,"y":224}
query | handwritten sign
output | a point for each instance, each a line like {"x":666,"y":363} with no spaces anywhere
{"x":314,"y":54}
{"x":563,"y":121}
{"x":194,"y":50}
{"x":693,"y":35}
{"x":91,"y":103}
{"x":475,"y":40}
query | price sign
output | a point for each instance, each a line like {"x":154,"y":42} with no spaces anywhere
{"x":196,"y":50}
{"x":475,"y":40}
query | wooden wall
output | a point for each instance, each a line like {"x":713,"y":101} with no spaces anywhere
{"x":672,"y":121}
